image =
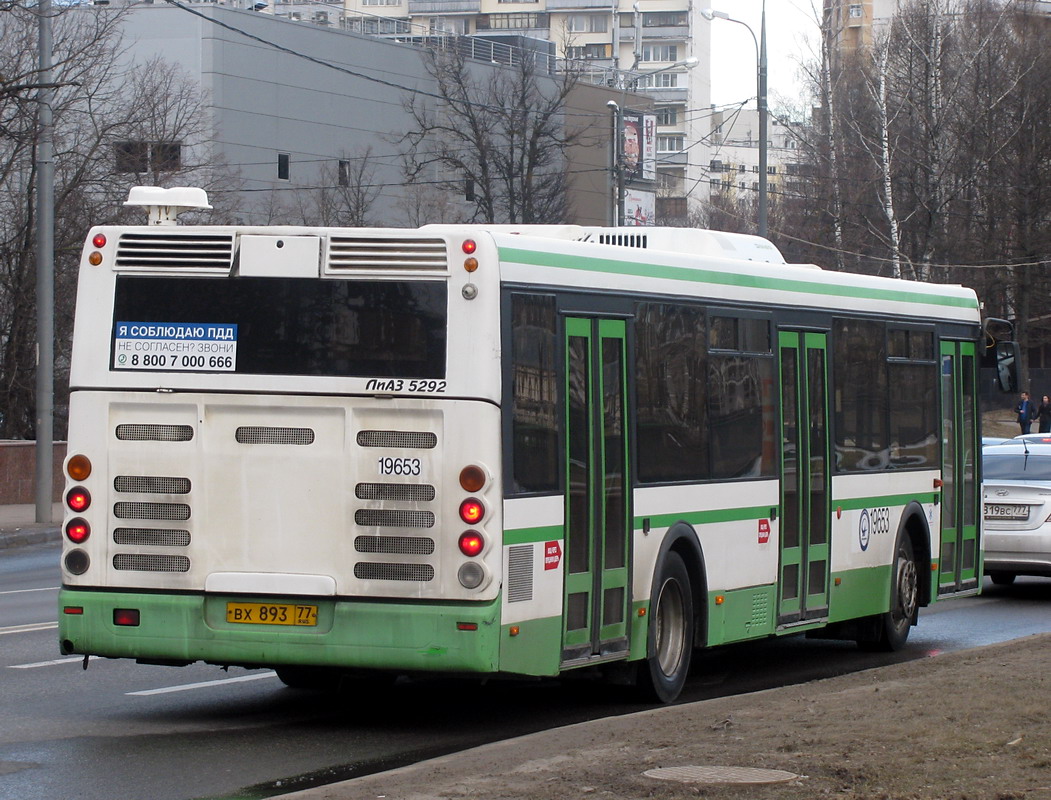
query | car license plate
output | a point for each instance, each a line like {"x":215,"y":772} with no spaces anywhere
{"x":271,"y":614}
{"x":1004,"y":511}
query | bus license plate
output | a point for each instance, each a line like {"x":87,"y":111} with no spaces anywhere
{"x":1002,"y":511}
{"x":271,"y":614}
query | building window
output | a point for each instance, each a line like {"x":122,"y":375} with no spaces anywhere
{"x":660,"y":52}
{"x":381,"y":2}
{"x":716,"y":166}
{"x":587,"y":23}
{"x":284,"y":165}
{"x":142,"y":157}
{"x":670,"y":144}
{"x":668,"y":115}
{"x":855,"y":12}
{"x":497,"y":22}
{"x":664,"y":19}
{"x":662,"y":80}
{"x":588,"y":51}
{"x":343,"y":173}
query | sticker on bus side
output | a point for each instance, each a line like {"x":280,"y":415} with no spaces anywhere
{"x":177,"y":346}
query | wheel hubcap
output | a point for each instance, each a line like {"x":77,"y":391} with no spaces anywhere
{"x":670,"y":638}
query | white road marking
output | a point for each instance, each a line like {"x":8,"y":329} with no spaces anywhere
{"x":204,"y":685}
{"x":70,"y":660}
{"x":20,"y":591}
{"x":37,"y":626}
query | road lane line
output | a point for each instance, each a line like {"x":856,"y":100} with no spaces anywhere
{"x":70,"y":660}
{"x":204,"y":685}
{"x":20,"y":591}
{"x":37,"y":626}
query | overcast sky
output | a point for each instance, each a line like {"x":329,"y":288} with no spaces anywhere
{"x":788,"y":24}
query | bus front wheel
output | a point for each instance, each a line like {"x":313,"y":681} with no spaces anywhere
{"x":670,"y":640}
{"x":892,"y":628}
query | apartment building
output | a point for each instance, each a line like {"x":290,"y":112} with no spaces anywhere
{"x":734,"y":166}
{"x":657,"y":48}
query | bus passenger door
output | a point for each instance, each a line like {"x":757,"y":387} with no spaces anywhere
{"x":958,"y":561}
{"x":598,"y":521}
{"x":803,"y":571}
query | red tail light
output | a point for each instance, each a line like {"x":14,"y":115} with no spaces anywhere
{"x":126,"y":616}
{"x":78,"y":498}
{"x":471,"y":543}
{"x":472,"y":511}
{"x":78,"y":530}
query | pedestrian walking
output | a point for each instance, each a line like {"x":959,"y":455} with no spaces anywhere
{"x":1026,"y":412}
{"x":1043,"y":415}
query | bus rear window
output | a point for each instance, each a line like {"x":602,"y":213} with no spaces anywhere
{"x":281,"y":326}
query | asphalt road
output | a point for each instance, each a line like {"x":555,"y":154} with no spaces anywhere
{"x":120,"y":731}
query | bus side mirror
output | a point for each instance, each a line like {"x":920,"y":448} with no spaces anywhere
{"x":1007,"y":366}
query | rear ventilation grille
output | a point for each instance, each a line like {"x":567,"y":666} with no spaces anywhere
{"x":150,"y":484}
{"x":154,"y":433}
{"x":151,"y":537}
{"x":369,"y":253}
{"x":266,"y":435}
{"x":402,"y":545}
{"x":170,"y":511}
{"x":519,"y":573}
{"x":393,"y":518}
{"x":370,"y":571}
{"x":409,"y":492}
{"x":175,"y":250}
{"x":417,"y":440}
{"x":138,"y":562}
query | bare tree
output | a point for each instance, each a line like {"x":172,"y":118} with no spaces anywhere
{"x":496,"y":134}
{"x":345,"y":193}
{"x":100,"y":105}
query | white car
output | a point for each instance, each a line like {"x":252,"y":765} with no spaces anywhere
{"x":1016,"y":494}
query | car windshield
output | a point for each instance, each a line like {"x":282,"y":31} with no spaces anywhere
{"x":1017,"y":467}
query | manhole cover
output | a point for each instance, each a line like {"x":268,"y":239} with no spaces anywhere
{"x":720,"y":775}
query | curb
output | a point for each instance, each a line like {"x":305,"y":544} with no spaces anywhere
{"x":30,"y":535}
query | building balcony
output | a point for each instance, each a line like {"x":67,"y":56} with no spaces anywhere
{"x":680,"y":33}
{"x":574,"y":5}
{"x":438,"y":7}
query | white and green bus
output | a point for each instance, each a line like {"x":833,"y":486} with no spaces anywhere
{"x":504,"y":450}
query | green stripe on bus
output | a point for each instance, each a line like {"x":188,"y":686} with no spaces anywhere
{"x":531,"y":535}
{"x":704,"y":517}
{"x":650,"y":270}
{"x":891,"y":500}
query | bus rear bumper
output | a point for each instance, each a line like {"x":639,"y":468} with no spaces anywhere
{"x":348,"y":633}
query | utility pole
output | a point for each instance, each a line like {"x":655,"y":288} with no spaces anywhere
{"x":45,"y":272}
{"x":761,"y":101}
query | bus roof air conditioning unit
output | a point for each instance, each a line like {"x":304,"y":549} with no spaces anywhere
{"x":165,"y":205}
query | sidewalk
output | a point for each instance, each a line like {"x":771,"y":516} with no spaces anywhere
{"x":970,"y":724}
{"x":18,"y":526}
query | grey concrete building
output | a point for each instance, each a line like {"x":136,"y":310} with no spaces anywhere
{"x":295,"y":106}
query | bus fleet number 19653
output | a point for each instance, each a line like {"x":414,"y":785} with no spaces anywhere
{"x":400,"y":466}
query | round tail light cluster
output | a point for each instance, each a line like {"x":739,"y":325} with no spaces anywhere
{"x":78,"y":500}
{"x":472,"y":542}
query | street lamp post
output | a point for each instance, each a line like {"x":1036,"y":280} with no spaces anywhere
{"x":616,"y":150}
{"x":760,"y":55}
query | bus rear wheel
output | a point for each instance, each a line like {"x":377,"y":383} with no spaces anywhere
{"x":670,"y":641}
{"x":892,"y":628}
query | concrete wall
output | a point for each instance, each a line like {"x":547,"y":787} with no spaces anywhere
{"x":18,"y":472}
